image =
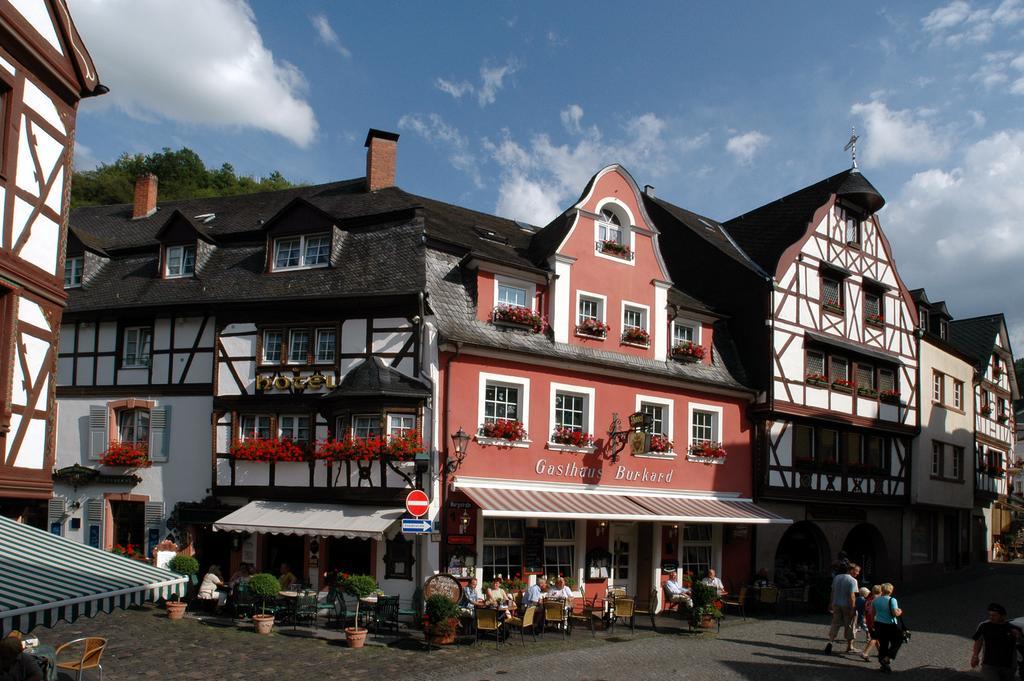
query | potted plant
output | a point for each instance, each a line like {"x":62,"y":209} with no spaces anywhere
{"x":816,"y":379}
{"x":516,"y":315}
{"x":844,"y":385}
{"x":182,"y":564}
{"x":688,"y":352}
{"x":357,"y":586}
{"x":865,"y":391}
{"x":892,"y":396}
{"x":573,"y":438}
{"x":503,"y":429}
{"x":129,"y":454}
{"x":593,"y":328}
{"x":705,"y":605}
{"x":264,"y":586}
{"x":442,"y":618}
{"x":615,"y":248}
{"x":875,"y":319}
{"x":636,"y":336}
{"x":661,"y":444}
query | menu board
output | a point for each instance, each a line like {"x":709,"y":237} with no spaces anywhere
{"x":533,"y":549}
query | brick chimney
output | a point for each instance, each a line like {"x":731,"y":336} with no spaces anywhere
{"x":145,"y":196}
{"x":381,"y":149}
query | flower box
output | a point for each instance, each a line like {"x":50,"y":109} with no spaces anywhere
{"x":843,"y":385}
{"x":986,"y":410}
{"x":867,"y":392}
{"x":131,"y":454}
{"x":636,"y":336}
{"x":592,"y":328}
{"x":572,"y":438}
{"x":517,"y":316}
{"x":890,"y":396}
{"x":612,"y":247}
{"x":503,"y":429}
{"x":660,"y":444}
{"x":269,"y":449}
{"x":388,"y":447}
{"x":834,"y":309}
{"x":707,"y":452}
{"x":688,"y":352}
{"x":820,"y":380}
{"x":875,"y":320}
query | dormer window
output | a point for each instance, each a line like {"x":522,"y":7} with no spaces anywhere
{"x":922,"y":317}
{"x":851,"y":226}
{"x":612,"y":232}
{"x":299,"y":252}
{"x":511,"y":295}
{"x":180,"y":261}
{"x":73,"y":268}
{"x":609,"y":227}
{"x":943,"y":329}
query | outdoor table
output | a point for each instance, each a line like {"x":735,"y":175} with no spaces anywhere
{"x":46,"y":656}
{"x":288,"y":594}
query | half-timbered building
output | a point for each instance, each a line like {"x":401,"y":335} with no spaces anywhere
{"x":44,"y":71}
{"x":826,"y":330}
{"x":995,"y":389}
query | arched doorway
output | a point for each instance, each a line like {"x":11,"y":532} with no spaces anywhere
{"x":865,"y":547}
{"x":802,"y":555}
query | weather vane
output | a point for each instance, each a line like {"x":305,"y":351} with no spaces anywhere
{"x":851,"y":146}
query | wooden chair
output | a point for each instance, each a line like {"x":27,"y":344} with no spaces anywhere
{"x":624,"y":608}
{"x":528,"y":620}
{"x":769,"y":596}
{"x":737,"y":602}
{"x":554,"y":615}
{"x":651,"y":610}
{"x":588,"y":616}
{"x":92,"y":651}
{"x":486,"y":621}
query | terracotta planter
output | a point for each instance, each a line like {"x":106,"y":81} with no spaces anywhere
{"x":443,"y":638}
{"x":707,"y":622}
{"x":263,"y":623}
{"x":355,"y":637}
{"x":175,"y":610}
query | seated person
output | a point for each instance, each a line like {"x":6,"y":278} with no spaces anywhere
{"x":560,"y":590}
{"x":16,"y":665}
{"x":471,"y":596}
{"x":677,"y":593}
{"x":287,"y":579}
{"x":535,"y":594}
{"x":241,"y":575}
{"x":497,"y":596}
{"x":213,"y":587}
{"x":762,"y":580}
{"x":713,"y":580}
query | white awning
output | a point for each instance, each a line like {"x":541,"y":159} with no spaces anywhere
{"x":323,"y":520}
{"x":507,"y":502}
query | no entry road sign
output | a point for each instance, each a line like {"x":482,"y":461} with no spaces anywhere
{"x":417,"y":503}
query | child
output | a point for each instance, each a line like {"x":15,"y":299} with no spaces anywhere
{"x":861,"y":624}
{"x":869,"y":620}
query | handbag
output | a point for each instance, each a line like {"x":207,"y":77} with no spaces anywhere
{"x":904,"y":631}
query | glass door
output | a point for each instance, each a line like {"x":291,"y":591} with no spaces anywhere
{"x":622,"y":541}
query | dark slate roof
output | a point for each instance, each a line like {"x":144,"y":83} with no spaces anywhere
{"x":452,"y":298}
{"x":373,"y":378}
{"x":685,"y":300}
{"x":88,"y":241}
{"x":669,"y":216}
{"x":976,"y":337}
{"x":766,"y":232}
{"x":545,"y":242}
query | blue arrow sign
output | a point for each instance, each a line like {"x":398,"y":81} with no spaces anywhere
{"x":417,"y":526}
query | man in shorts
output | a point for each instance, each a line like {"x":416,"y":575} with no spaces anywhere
{"x":1000,"y":640}
{"x":843,"y":606}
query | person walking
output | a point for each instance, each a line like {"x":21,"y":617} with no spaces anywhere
{"x":869,"y":620}
{"x":887,"y":628}
{"x":843,"y":606}
{"x":1000,"y":640}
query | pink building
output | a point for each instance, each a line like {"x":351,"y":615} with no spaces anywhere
{"x":549,"y":340}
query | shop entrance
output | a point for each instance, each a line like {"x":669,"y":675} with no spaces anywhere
{"x":865,"y":547}
{"x":801,"y":556}
{"x":129,"y":523}
{"x":280,"y":548}
{"x":353,"y":556}
{"x":622,"y":540}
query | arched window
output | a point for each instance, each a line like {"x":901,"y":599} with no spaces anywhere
{"x":610,"y":226}
{"x":133,"y":425}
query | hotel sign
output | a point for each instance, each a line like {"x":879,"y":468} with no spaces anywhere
{"x":298,"y":383}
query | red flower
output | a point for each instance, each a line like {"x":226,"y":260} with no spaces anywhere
{"x":614,"y":247}
{"x":517,"y":314}
{"x":636,"y":335}
{"x":135,"y":454}
{"x":660,"y":443}
{"x":592,"y":327}
{"x":710,"y":450}
{"x":573,"y":438}
{"x":350,"y":448}
{"x":269,"y":449}
{"x":688,"y":349}
{"x":504,"y":429}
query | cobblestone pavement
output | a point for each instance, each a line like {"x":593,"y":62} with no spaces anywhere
{"x":144,"y":644}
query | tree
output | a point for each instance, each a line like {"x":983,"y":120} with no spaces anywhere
{"x":182,"y":175}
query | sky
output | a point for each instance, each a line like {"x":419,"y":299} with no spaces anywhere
{"x":510,"y":107}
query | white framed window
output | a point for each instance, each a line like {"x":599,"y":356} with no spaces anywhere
{"x":609,"y":226}
{"x":572,"y":407}
{"x":958,"y":463}
{"x":298,"y":346}
{"x":502,"y":553}
{"x":133,"y":425}
{"x":366,"y":425}
{"x":254,"y":427}
{"x":272,"y":346}
{"x":514,"y":292}
{"x":943,"y":329}
{"x":958,"y":394}
{"x":697,"y":544}
{"x":852,"y":231}
{"x":400,"y":424}
{"x":938,"y":387}
{"x":634,"y":317}
{"x":559,"y":547}
{"x":138,"y":345}
{"x":73,"y":268}
{"x":613,"y":224}
{"x":590,"y":306}
{"x":326,"y":340}
{"x":831,"y":292}
{"x":705,"y":424}
{"x":936,"y":459}
{"x":922,"y":317}
{"x":685,"y":331}
{"x":661,"y":409}
{"x":504,"y":397}
{"x":297,"y":252}
{"x":180,"y":261}
{"x":294,"y":428}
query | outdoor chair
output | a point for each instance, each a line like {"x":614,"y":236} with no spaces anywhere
{"x":737,"y":602}
{"x":554,"y":615}
{"x":651,"y":610}
{"x":796,"y":598}
{"x":769,"y":596}
{"x":92,"y":651}
{"x":305,"y":609}
{"x":243,"y":604}
{"x":386,"y":614}
{"x":528,"y":620}
{"x":588,"y":616}
{"x":486,"y":622}
{"x":338,"y":614}
{"x":624,"y":608}
{"x":326,"y":605}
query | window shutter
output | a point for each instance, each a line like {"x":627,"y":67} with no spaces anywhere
{"x":94,"y":511}
{"x":158,"y":432}
{"x":154,"y":514}
{"x":55,"y":509}
{"x":98,"y":439}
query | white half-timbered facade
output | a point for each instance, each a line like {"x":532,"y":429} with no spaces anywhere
{"x":44,"y":71}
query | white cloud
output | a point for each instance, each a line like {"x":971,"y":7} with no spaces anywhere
{"x":327,"y":36}
{"x":84,"y":157}
{"x":556,"y":40}
{"x":957,"y":230}
{"x":899,"y":136}
{"x":746,"y":145}
{"x":202,"y":63}
{"x":437,"y":132}
{"x":571,"y":117}
{"x":958,"y":22}
{"x":492,"y":79}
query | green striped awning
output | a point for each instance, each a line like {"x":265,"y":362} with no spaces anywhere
{"x":45,"y":579}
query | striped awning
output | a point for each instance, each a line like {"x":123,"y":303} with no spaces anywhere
{"x":45,"y":579}
{"x":505,"y":502}
{"x":315,"y":520}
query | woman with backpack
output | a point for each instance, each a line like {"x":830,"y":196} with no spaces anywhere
{"x":888,"y":632}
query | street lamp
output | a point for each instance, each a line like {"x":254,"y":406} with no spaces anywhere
{"x":461,"y":441}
